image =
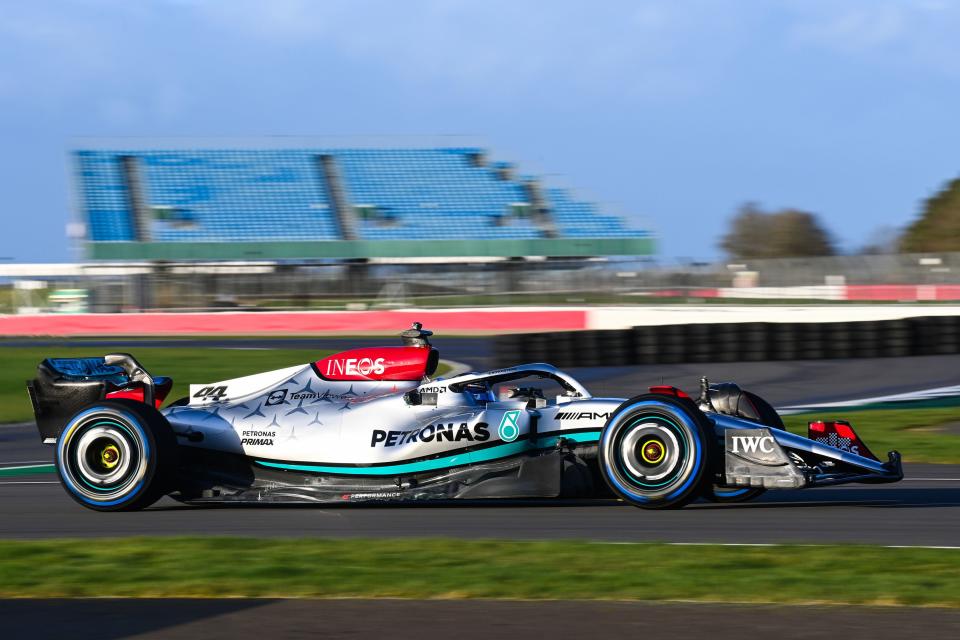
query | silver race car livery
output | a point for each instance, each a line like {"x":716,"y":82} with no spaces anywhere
{"x":371,"y":424}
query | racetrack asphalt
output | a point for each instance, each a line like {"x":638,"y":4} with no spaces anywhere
{"x":924,"y":509}
{"x":107,"y":619}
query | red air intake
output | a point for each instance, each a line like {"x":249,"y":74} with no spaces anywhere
{"x":668,"y":390}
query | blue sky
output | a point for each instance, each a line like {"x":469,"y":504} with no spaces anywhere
{"x":671,"y":113}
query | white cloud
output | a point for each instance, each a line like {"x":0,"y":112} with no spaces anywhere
{"x":157,"y":57}
{"x":47,"y":55}
{"x":919,"y":34}
{"x":856,"y":29}
{"x":622,"y":48}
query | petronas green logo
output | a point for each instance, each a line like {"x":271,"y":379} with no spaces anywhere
{"x":509,"y":430}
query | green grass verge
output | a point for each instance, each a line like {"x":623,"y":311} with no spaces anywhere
{"x":448,"y":568}
{"x":921,"y":435}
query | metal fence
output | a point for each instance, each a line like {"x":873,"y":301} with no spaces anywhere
{"x":361,"y":285}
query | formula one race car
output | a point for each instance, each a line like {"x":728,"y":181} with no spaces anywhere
{"x":370,"y":425}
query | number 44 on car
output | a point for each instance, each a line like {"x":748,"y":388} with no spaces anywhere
{"x":371,"y":424}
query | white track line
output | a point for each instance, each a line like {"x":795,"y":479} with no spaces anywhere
{"x":29,"y":482}
{"x":780,"y":544}
{"x":27,"y":462}
{"x":920,"y":394}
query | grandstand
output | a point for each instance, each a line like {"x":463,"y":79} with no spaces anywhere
{"x":332,"y":203}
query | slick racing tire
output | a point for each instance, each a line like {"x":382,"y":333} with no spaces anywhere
{"x":116,"y":455}
{"x":725,"y":495}
{"x":656,"y":451}
{"x":768,"y":415}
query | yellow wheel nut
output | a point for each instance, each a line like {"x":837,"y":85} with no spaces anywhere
{"x":652,"y":452}
{"x":110,"y":456}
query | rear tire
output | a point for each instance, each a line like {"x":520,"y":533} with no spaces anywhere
{"x":655,"y":451}
{"x":116,"y":455}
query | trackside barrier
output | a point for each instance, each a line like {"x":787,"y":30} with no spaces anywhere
{"x":734,"y":342}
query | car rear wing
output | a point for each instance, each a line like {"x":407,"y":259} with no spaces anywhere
{"x":64,"y":386}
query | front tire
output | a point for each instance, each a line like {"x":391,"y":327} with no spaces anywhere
{"x":116,"y":455}
{"x":655,"y":451}
{"x":729,"y":495}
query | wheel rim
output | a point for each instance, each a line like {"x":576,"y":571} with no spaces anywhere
{"x":649,"y":435}
{"x":652,"y":454}
{"x":103,"y":457}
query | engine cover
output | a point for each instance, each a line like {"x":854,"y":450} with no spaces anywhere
{"x":380,"y":363}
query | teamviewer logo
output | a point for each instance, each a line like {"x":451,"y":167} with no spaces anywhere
{"x":276,"y":397}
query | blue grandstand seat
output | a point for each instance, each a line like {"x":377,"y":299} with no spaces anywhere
{"x":229,"y":195}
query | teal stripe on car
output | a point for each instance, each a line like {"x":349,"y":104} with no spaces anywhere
{"x":582,"y":437}
{"x":27,"y":470}
{"x":455,"y":460}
